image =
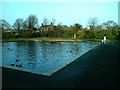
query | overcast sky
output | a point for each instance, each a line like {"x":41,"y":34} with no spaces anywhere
{"x":65,"y":12}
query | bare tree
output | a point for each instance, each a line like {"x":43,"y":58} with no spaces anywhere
{"x":45,"y":21}
{"x":92,"y":22}
{"x":25,"y":25}
{"x":18,"y":24}
{"x":109,"y":25}
{"x":53,"y":21}
{"x":4,"y":24}
{"x":31,"y":22}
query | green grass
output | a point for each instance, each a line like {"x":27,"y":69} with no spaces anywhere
{"x":39,"y":39}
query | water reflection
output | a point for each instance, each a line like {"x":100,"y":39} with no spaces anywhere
{"x":42,"y":57}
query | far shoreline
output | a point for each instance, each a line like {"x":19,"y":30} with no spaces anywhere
{"x":52,"y":40}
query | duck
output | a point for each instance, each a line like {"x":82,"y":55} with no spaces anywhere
{"x":17,"y":60}
{"x":20,"y":65}
{"x":17,"y":65}
{"x":9,"y":49}
{"x":12,"y":64}
{"x":61,"y":42}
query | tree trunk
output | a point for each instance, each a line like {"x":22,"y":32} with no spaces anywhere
{"x":74,"y":35}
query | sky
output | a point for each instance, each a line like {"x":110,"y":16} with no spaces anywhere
{"x":67,"y":13}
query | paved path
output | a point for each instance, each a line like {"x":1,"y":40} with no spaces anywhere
{"x":99,"y":68}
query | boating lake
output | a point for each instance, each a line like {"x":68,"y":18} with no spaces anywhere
{"x":44,"y":58}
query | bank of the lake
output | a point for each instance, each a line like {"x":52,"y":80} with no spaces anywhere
{"x":115,"y":42}
{"x":48,"y":39}
{"x":40,"y":39}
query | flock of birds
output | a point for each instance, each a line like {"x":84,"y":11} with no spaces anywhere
{"x":30,"y":54}
{"x":17,"y":60}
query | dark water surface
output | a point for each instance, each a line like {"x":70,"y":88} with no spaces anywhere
{"x":42,"y":57}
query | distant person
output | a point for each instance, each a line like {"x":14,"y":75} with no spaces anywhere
{"x":104,"y":39}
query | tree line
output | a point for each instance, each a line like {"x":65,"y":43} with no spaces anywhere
{"x":30,"y":28}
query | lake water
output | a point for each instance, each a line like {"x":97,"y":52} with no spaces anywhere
{"x":43,"y":58}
